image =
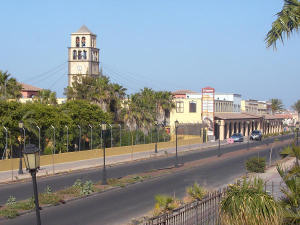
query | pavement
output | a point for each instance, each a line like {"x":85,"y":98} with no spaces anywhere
{"x":273,"y":181}
{"x":12,"y":175}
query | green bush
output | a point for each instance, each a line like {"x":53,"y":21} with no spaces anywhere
{"x":256,"y":165}
{"x":84,"y":188}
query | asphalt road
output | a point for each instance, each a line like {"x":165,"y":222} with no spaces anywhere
{"x":23,"y":190}
{"x":119,"y":206}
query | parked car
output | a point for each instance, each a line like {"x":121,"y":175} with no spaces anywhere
{"x":256,"y":135}
{"x":237,"y":137}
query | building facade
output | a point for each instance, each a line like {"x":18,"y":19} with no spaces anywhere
{"x":83,"y":55}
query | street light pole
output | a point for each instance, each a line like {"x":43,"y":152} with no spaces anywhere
{"x":219,"y":149}
{"x":67,"y":137}
{"x":21,"y":125}
{"x":91,"y":136}
{"x":53,"y":148}
{"x":110,"y":135}
{"x":176,"y":132}
{"x":39,"y":135}
{"x":120,"y":135}
{"x":5,"y":150}
{"x":101,"y":136}
{"x":103,"y":129}
{"x":156,"y":125}
{"x":79,"y":140}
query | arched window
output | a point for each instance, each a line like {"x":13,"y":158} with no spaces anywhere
{"x":79,"y":55}
{"x":84,"y":54}
{"x":74,"y":54}
{"x":83,"y":42}
{"x":77,"y":41}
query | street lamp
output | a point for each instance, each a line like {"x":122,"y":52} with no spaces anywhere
{"x":219,"y":149}
{"x":67,"y":137}
{"x":5,"y":150}
{"x":110,"y":135}
{"x":39,"y":135}
{"x":91,"y":136}
{"x":21,"y":127}
{"x":100,"y":124}
{"x":297,"y":129}
{"x":176,"y":132}
{"x":120,"y":135}
{"x":248,"y":135}
{"x":32,"y":162}
{"x":156,"y":125}
{"x":79,"y":140}
{"x":103,"y":129}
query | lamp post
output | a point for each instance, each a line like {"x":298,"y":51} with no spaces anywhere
{"x":297,"y":129}
{"x":67,"y":137}
{"x":21,"y":126}
{"x":110,"y":135}
{"x":79,"y":139}
{"x":120,"y":135}
{"x":156,"y":125}
{"x":219,"y":148}
{"x":248,"y":135}
{"x":32,"y":162}
{"x":176,"y":132}
{"x":103,"y":129}
{"x":90,"y":126}
{"x":5,"y":150}
{"x":101,"y":136}
{"x":39,"y":135}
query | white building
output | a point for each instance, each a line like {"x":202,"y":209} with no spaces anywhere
{"x":228,"y":102}
{"x":83,"y":55}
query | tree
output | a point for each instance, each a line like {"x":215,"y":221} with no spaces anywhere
{"x":46,"y":96}
{"x":296,"y":106}
{"x":288,"y":21}
{"x":9,"y":88}
{"x":276,"y":105}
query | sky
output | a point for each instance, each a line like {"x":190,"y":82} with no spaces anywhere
{"x":164,"y":45}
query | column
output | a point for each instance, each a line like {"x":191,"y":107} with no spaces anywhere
{"x":227,"y":130}
{"x":221,"y":130}
{"x":246,"y":131}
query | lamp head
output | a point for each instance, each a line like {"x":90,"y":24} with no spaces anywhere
{"x":32,"y":157}
{"x":21,"y":124}
{"x":176,"y":123}
{"x":103,"y":126}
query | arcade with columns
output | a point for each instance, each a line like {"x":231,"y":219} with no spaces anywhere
{"x":227,"y":124}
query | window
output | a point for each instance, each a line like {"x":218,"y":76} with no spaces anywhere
{"x":179,"y":107}
{"x":83,"y":41}
{"x":77,"y":41}
{"x":84,"y":54}
{"x":74,"y":54}
{"x":193,"y":107}
{"x":79,"y":55}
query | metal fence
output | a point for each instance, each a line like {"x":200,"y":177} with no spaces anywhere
{"x":204,"y":212}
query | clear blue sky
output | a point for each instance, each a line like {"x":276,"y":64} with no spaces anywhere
{"x":165,"y":45}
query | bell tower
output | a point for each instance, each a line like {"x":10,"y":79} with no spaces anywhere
{"x":83,"y":57}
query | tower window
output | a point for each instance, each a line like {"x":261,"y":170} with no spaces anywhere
{"x":74,"y":54}
{"x":84,"y":54}
{"x":79,"y":55}
{"x":83,"y":41}
{"x":77,"y":41}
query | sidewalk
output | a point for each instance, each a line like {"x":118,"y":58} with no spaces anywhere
{"x":7,"y":176}
{"x":273,"y":181}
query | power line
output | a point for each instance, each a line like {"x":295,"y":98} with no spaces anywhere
{"x":59,"y":78}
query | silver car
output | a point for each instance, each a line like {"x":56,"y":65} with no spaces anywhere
{"x":237,"y":137}
{"x":256,"y":135}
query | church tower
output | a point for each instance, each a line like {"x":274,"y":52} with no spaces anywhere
{"x":83,"y":55}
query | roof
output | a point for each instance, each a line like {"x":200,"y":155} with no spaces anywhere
{"x":28,"y":87}
{"x":235,"y":116}
{"x":183,"y":92}
{"x":84,"y":30}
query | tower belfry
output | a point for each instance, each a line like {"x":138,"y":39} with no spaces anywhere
{"x":83,"y":55}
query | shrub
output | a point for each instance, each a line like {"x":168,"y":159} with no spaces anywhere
{"x":247,"y":203}
{"x":256,"y":165}
{"x":84,"y":188}
{"x":196,"y":192}
{"x":164,"y":204}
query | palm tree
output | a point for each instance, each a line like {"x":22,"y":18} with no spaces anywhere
{"x":196,"y":192}
{"x":165,"y":204}
{"x":296,"y":106}
{"x":46,"y":96}
{"x":276,"y":105}
{"x":291,"y":200}
{"x":288,"y":21}
{"x":247,"y":203}
{"x":9,"y":87}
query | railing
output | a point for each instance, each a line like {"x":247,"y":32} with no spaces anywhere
{"x":204,"y":212}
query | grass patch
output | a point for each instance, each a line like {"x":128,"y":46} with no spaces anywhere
{"x":9,"y":213}
{"x":256,"y":165}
